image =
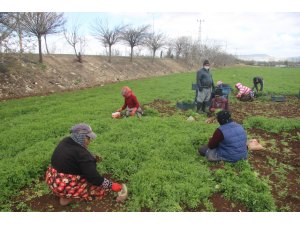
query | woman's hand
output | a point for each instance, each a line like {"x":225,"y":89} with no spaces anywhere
{"x":133,"y":112}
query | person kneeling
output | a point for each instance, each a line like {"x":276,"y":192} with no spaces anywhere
{"x":228,"y":143}
{"x":73,"y":172}
{"x":244,"y":93}
{"x":131,"y":104}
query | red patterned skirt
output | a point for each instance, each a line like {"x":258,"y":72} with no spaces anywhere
{"x":72,"y":186}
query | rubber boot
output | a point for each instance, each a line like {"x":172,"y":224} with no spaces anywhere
{"x":199,"y":107}
{"x":205,"y":108}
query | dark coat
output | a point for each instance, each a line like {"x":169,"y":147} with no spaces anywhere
{"x":204,"y":79}
{"x":71,"y":158}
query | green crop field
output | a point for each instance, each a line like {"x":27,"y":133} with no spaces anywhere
{"x":156,"y":156}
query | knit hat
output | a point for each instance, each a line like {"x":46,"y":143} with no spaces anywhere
{"x":224,"y":117}
{"x":83,"y":128}
{"x":205,"y":62}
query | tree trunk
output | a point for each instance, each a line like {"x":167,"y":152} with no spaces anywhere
{"x":21,"y":42}
{"x":40,"y":49}
{"x":153,"y":56}
{"x":46,"y":44}
{"x":131,"y":54}
{"x":75,"y":50}
{"x":109,"y":53}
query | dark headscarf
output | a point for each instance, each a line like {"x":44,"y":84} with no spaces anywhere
{"x":224,"y":117}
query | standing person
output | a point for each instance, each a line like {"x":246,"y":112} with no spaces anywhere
{"x":244,"y":93}
{"x":131,"y":104}
{"x":73,"y":172}
{"x":228,"y":143}
{"x":205,"y":85}
{"x":256,"y":81}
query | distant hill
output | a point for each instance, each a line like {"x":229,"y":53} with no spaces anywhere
{"x":266,"y":58}
{"x":294,"y":59}
{"x":257,"y":57}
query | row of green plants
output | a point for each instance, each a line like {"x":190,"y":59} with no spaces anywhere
{"x":156,"y":156}
{"x":275,"y":125}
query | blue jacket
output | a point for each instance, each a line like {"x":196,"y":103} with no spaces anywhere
{"x":234,"y":145}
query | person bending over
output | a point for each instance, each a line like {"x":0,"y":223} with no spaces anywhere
{"x":244,"y":93}
{"x":258,"y":81}
{"x":72,"y":173}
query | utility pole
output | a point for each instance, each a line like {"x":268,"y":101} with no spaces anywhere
{"x":199,"y":34}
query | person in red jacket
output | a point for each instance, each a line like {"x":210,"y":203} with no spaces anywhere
{"x":131,"y":104}
{"x":219,"y":102}
{"x":73,"y":173}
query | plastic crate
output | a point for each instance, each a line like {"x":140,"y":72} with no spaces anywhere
{"x":278,"y":98}
{"x":226,"y":90}
{"x":185,"y":105}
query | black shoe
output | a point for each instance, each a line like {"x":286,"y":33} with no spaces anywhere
{"x":202,"y":150}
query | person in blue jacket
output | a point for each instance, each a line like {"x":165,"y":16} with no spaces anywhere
{"x":228,"y":143}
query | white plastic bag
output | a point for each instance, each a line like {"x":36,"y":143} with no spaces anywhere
{"x":254,"y":145}
{"x":122,"y":195}
{"x":116,"y":115}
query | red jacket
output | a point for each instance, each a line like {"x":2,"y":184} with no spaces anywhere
{"x":219,"y":103}
{"x":131,"y":102}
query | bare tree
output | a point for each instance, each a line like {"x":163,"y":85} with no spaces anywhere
{"x":42,"y":23}
{"x":155,"y":41}
{"x":180,"y":45}
{"x":13,"y":22}
{"x":7,"y":26}
{"x":135,"y":37}
{"x":106,"y":35}
{"x":75,"y":40}
{"x":16,"y":17}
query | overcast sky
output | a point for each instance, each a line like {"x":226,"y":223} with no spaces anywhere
{"x":239,"y":27}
